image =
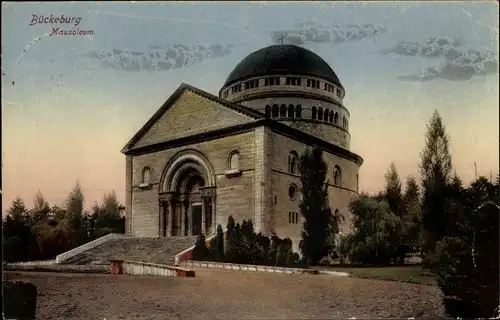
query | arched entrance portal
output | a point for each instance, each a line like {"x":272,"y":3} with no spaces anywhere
{"x":187,"y":197}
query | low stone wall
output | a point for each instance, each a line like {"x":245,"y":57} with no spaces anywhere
{"x":87,"y":246}
{"x":246,"y":267}
{"x":33,"y":263}
{"x":57,"y":268}
{"x":146,"y":268}
{"x":187,"y":254}
{"x":334,"y":273}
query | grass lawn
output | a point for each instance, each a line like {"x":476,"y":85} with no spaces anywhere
{"x":410,"y":274}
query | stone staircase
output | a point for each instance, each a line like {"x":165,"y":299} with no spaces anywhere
{"x":152,"y":250}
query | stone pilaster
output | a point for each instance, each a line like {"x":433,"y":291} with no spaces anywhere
{"x":259,"y":179}
{"x":203,"y":217}
{"x":129,"y":229}
{"x":214,"y":216}
{"x":161,"y":226}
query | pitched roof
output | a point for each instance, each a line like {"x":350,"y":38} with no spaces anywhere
{"x":177,"y":93}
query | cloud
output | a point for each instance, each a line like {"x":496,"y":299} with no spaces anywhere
{"x":434,"y":47}
{"x":459,"y":66}
{"x":312,"y":32}
{"x":158,"y":57}
{"x":29,"y":45}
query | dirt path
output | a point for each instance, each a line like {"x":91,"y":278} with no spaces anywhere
{"x":219,"y":294}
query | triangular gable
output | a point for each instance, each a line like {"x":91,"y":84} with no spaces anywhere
{"x":190,"y":111}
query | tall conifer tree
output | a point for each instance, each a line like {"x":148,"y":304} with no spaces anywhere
{"x":317,"y":233}
{"x":435,"y":171}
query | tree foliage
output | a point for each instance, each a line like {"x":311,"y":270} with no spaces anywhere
{"x":412,"y":215}
{"x":201,"y":251}
{"x":468,"y":272}
{"x":319,"y":225}
{"x":393,"y":190}
{"x":243,"y":246}
{"x":43,"y":232}
{"x":372,"y":240}
{"x":435,"y":170}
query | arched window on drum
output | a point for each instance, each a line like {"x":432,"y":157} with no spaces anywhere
{"x":337,"y":176}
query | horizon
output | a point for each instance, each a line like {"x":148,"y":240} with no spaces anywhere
{"x":70,"y":103}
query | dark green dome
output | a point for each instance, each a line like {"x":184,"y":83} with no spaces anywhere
{"x":282,"y":59}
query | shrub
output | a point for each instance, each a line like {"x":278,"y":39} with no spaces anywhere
{"x":52,"y":241}
{"x":343,"y":248}
{"x":242,"y":245}
{"x":200,"y":250}
{"x":468,"y":265}
{"x":455,"y":277}
{"x":219,"y":244}
{"x":101,"y":232}
{"x":19,"y":300}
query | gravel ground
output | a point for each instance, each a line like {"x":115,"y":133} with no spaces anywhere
{"x":220,"y":294}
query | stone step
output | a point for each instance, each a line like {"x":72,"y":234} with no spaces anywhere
{"x":153,"y":250}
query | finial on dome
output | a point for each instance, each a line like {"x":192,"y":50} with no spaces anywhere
{"x":281,"y":39}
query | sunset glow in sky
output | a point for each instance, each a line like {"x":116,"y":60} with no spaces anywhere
{"x":71,"y":102}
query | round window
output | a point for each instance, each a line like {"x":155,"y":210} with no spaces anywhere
{"x":292,"y":192}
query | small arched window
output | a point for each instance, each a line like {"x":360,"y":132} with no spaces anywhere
{"x":320,"y":113}
{"x":268,"y":111}
{"x":291,"y":111}
{"x":276,"y":111}
{"x":337,"y":176}
{"x":298,"y":111}
{"x":344,"y":122}
{"x":314,"y":113}
{"x":283,"y":111}
{"x":330,"y":116}
{"x":327,"y":113}
{"x":347,"y":123}
{"x":357,"y":182}
{"x":234,"y":160}
{"x":146,"y":176}
{"x":292,"y":192}
{"x":293,"y":162}
{"x":336,"y":118}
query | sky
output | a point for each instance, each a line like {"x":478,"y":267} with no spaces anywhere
{"x":71,"y":102}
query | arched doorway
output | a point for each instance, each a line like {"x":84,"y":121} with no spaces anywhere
{"x":189,"y":189}
{"x":187,"y":197}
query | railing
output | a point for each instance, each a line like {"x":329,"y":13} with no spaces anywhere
{"x":188,"y":253}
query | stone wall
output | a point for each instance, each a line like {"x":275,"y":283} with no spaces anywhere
{"x":190,"y":114}
{"x":145,"y":268}
{"x":232,"y":191}
{"x":327,"y":131}
{"x":258,"y":268}
{"x":245,"y":267}
{"x":66,"y":268}
{"x":333,"y":134}
{"x":281,"y":179}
